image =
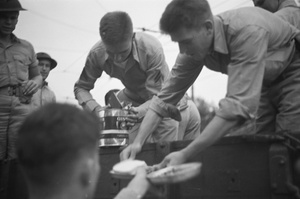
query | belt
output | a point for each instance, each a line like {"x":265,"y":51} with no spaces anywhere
{"x":15,"y":90}
{"x":10,"y":90}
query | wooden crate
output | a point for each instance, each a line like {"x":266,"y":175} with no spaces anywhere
{"x":237,"y":167}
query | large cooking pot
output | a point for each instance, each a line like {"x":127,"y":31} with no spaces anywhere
{"x":114,"y":131}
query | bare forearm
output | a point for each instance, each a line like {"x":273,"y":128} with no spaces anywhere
{"x":215,"y":130}
{"x":148,"y":126}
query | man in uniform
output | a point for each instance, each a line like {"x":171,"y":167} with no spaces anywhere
{"x":138,"y":61}
{"x":19,"y":78}
{"x":44,"y":94}
{"x":253,"y":47}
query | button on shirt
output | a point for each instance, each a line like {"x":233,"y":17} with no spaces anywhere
{"x":43,"y":96}
{"x":251,"y":46}
{"x":17,"y":62}
{"x":142,"y":76}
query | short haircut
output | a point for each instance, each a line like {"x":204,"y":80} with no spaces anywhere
{"x":52,"y":139}
{"x":189,"y":14}
{"x":116,"y":27}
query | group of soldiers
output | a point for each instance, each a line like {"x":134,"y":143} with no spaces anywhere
{"x":257,"y":47}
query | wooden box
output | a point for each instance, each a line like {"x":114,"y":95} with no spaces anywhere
{"x":237,"y":167}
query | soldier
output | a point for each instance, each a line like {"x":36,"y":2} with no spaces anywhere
{"x":44,"y":94}
{"x":255,"y":48}
{"x":138,"y":61}
{"x":19,"y":78}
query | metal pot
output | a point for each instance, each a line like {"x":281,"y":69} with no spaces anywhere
{"x":114,"y":131}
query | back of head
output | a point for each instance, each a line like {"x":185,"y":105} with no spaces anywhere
{"x":116,"y":27}
{"x":52,"y":139}
{"x":184,"y":14}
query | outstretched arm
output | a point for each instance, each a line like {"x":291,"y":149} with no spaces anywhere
{"x":150,"y":122}
{"x":214,"y":131}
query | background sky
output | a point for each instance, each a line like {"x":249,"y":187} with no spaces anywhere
{"x":67,"y":29}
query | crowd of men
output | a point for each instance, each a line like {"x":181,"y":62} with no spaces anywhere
{"x":258,"y":48}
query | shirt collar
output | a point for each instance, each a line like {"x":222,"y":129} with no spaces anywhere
{"x":220,"y":44}
{"x":134,"y":49}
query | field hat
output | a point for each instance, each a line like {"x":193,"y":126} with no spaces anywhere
{"x":42,"y":55}
{"x":10,"y":5}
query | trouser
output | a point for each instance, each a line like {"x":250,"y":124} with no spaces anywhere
{"x":12,"y":113}
{"x":279,"y":108}
{"x":190,"y":124}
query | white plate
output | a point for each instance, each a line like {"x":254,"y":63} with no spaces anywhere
{"x":171,"y":174}
{"x":175,"y":174}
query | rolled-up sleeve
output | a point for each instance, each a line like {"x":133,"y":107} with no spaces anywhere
{"x":245,"y":74}
{"x":182,"y":76}
{"x":90,"y":73}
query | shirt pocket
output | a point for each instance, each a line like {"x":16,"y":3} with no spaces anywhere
{"x":22,"y":66}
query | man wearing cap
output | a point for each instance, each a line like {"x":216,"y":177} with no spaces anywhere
{"x":19,"y":78}
{"x":44,"y":95}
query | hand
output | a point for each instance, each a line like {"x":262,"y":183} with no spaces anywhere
{"x":30,"y":87}
{"x":133,"y":117}
{"x":174,"y":158}
{"x":139,"y":183}
{"x":99,"y":108}
{"x":130,"y":151}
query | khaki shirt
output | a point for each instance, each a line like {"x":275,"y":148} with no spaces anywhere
{"x":252,"y":46}
{"x":142,"y":76}
{"x":18,"y":62}
{"x":289,"y":11}
{"x":43,"y":96}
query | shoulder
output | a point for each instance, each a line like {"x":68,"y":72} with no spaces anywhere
{"x":24,"y":50}
{"x":146,"y":42}
{"x":98,"y":47}
{"x":25,"y":43}
{"x":97,"y":52}
{"x":24,"y":46}
{"x":242,"y":18}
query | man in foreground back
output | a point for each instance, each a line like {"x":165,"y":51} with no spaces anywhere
{"x":58,"y":152}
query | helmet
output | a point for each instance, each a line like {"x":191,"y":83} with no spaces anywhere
{"x":10,"y":5}
{"x":42,"y":55}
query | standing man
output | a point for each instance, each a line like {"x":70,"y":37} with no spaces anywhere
{"x":137,"y":60}
{"x":19,"y":78}
{"x":252,"y":46}
{"x":44,"y":94}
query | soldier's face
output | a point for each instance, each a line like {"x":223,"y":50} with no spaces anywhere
{"x":8,"y":22}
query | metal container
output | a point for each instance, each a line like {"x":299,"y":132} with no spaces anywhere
{"x":114,"y":131}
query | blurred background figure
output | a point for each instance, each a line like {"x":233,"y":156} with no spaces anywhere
{"x":58,"y":152}
{"x":44,"y":94}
